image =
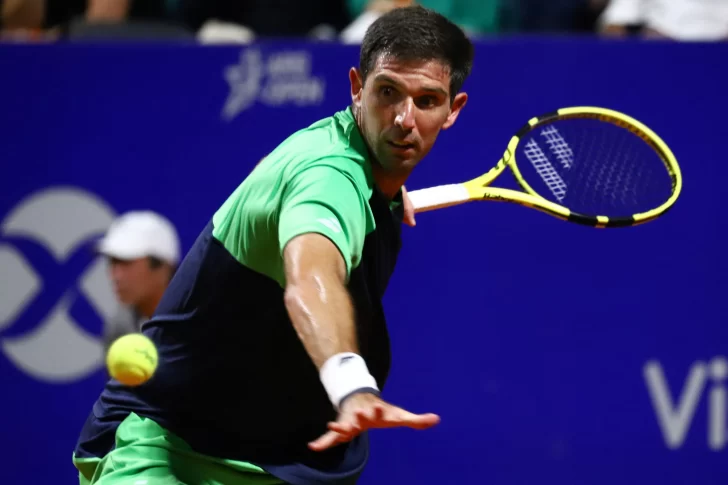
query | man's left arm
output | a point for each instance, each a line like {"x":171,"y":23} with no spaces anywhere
{"x":409,"y":209}
{"x":107,"y":10}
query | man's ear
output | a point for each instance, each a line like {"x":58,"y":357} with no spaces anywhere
{"x":458,"y":103}
{"x":357,"y":85}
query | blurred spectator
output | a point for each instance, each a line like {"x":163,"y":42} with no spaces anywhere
{"x":685,"y":20}
{"x":45,"y":14}
{"x":286,"y":18}
{"x":552,"y":16}
{"x":365,"y":13}
{"x":143,"y":252}
{"x":234,"y":19}
{"x":476,"y":17}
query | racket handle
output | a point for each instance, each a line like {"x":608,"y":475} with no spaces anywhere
{"x":438,"y":197}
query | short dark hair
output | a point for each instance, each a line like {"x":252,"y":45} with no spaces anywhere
{"x":416,"y":33}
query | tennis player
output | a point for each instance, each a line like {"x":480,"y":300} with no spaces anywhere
{"x":272,"y":337}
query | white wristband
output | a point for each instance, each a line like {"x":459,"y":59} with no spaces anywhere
{"x":345,"y":373}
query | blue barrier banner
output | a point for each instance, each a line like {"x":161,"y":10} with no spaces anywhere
{"x":554,"y":353}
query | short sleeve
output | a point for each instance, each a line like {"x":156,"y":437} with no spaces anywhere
{"x":324,"y":200}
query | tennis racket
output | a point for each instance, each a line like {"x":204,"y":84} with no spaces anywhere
{"x":586,"y":165}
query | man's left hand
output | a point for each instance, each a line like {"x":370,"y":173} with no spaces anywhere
{"x":409,"y":209}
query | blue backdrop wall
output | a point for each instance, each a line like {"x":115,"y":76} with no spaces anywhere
{"x":555,"y":354}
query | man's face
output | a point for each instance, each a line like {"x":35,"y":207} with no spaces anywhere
{"x":134,"y":280}
{"x":401,"y":109}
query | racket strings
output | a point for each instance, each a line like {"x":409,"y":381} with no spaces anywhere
{"x":617,"y":180}
{"x":593,"y":167}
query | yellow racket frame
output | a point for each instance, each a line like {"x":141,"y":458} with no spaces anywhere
{"x":478,"y":188}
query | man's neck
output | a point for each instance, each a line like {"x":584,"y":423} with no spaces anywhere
{"x":389,"y":185}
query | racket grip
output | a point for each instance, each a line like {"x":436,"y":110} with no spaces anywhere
{"x":438,"y":197}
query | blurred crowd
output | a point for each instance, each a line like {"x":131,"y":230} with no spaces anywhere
{"x":242,"y":21}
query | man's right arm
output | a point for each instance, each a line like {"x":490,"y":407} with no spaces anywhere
{"x":316,"y":297}
{"x":322,"y":226}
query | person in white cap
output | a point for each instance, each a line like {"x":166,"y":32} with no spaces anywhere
{"x":143,"y":251}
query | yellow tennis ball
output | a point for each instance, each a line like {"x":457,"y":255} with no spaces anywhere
{"x":132,"y":359}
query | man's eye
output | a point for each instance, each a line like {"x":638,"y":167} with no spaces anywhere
{"x":427,"y":101}
{"x":386,"y":91}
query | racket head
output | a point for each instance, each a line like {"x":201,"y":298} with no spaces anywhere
{"x":592,"y":166}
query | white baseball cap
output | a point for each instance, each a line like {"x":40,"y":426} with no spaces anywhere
{"x":140,"y":234}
